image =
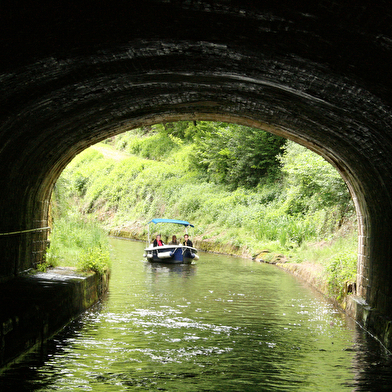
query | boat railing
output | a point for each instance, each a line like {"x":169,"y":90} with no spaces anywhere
{"x":165,"y":247}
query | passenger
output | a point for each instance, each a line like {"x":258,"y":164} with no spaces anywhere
{"x":158,"y":241}
{"x":173,"y":241}
{"x":187,"y":241}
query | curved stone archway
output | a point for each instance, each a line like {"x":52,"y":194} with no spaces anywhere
{"x":315,"y":72}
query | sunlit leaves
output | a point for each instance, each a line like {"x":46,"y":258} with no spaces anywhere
{"x":235,"y":155}
{"x":312,"y":183}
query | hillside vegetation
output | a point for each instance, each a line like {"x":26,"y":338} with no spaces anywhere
{"x":247,"y":191}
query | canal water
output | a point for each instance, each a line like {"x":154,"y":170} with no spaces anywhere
{"x":222,"y":324}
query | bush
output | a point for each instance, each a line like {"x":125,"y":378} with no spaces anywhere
{"x":72,"y":234}
{"x":94,"y":259}
{"x":341,"y":269}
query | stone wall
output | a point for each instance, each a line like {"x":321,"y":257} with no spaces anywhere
{"x":33,"y":308}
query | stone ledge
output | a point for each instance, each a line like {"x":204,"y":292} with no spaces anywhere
{"x":35,"y":307}
{"x":371,"y":320}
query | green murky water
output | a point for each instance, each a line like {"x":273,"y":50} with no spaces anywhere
{"x":223,"y":324}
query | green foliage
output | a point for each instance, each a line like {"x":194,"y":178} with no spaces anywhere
{"x":235,"y":155}
{"x":312,"y":183}
{"x":180,"y":130}
{"x":94,"y":259}
{"x":228,"y":154}
{"x":73,"y":233}
{"x":341,"y":269}
{"x":136,"y":188}
{"x":229,"y":180}
{"x":154,"y":145}
{"x":42,"y":267}
{"x":81,"y":173}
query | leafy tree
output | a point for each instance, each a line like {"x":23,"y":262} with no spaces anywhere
{"x":236,"y":155}
{"x":180,"y":129}
{"x":312,"y":183}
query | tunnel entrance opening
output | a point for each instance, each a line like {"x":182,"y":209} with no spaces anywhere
{"x":273,"y":215}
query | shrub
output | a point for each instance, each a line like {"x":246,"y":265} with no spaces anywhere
{"x":72,"y":234}
{"x":341,"y":268}
{"x":94,"y":259}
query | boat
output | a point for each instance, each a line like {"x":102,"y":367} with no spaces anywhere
{"x":170,"y":254}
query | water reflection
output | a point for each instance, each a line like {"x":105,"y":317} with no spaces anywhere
{"x":372,"y":363}
{"x":221,"y":324}
{"x":157,"y":269}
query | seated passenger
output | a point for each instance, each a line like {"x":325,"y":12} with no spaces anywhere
{"x":173,"y":241}
{"x":158,"y":241}
{"x":187,"y":241}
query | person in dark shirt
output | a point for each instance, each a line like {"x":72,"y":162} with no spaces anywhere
{"x":158,"y":241}
{"x":187,"y":241}
{"x":173,"y":241}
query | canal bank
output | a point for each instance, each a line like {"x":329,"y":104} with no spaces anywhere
{"x":37,"y":306}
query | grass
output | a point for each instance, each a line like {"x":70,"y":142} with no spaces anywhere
{"x":78,"y":242}
{"x":323,"y":251}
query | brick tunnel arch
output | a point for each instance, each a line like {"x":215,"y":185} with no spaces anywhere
{"x":305,"y":72}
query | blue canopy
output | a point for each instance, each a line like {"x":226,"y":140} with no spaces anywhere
{"x":178,"y":222}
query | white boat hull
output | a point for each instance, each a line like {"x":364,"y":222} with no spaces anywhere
{"x":171,"y":254}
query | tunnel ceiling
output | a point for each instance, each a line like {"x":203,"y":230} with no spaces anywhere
{"x":72,"y":74}
{"x":319,"y":64}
